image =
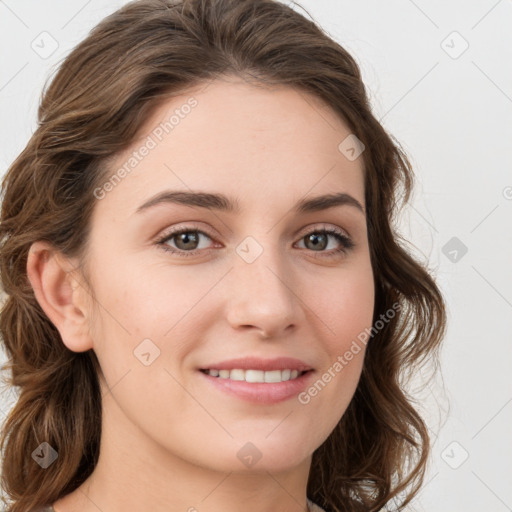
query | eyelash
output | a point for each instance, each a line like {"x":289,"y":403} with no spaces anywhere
{"x":346,"y":243}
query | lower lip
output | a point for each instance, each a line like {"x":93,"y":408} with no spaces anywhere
{"x":261,"y":392}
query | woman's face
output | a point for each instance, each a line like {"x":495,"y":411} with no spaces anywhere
{"x":256,"y":280}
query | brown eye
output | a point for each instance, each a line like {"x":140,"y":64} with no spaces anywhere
{"x":186,"y":241}
{"x":318,"y":241}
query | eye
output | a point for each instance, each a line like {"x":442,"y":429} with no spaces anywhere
{"x":318,"y":241}
{"x":187,"y":241}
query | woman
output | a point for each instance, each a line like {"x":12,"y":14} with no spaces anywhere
{"x":258,"y":369}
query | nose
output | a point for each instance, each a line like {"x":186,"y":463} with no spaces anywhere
{"x":261,"y":296}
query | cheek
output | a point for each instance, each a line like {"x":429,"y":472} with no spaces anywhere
{"x":347,"y":312}
{"x":143,"y":299}
{"x":136,"y":305}
{"x":346,"y":306}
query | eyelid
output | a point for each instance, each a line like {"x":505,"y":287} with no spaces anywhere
{"x":171,"y":232}
{"x":320,"y":226}
{"x":191,"y":226}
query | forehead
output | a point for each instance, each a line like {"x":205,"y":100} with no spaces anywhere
{"x":231,"y":135}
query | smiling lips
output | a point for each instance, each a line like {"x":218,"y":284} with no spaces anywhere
{"x":256,"y":363}
{"x":253,"y":375}
{"x":259,"y":380}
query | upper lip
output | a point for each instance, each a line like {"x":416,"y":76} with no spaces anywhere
{"x":256,"y":363}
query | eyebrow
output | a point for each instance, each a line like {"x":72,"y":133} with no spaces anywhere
{"x":221,"y":202}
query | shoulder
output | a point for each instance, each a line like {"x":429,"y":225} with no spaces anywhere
{"x":356,"y":505}
{"x":314,"y":507}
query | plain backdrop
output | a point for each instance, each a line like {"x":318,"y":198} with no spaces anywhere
{"x":440,"y":79}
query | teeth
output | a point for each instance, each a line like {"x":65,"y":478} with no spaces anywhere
{"x":236,"y":374}
{"x":255,"y":375}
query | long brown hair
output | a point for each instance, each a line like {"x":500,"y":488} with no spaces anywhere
{"x":103,"y":92}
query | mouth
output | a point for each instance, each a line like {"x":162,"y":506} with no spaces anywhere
{"x":260,"y":387}
{"x":256,"y":376}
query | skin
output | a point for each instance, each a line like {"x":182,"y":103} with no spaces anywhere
{"x":169,"y":438}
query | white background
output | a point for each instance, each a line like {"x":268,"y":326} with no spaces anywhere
{"x":452,"y":113}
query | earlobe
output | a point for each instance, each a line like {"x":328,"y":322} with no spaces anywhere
{"x":59,"y":295}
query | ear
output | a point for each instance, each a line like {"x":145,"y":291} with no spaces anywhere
{"x":59,"y":294}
